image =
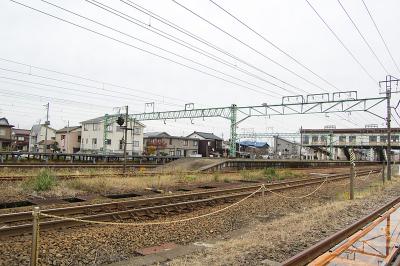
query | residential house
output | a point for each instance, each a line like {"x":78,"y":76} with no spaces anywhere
{"x":104,"y":135}
{"x":161,"y":143}
{"x":5,"y":134}
{"x":284,"y":149}
{"x":210,"y":145}
{"x":69,"y":139}
{"x":20,"y":139}
{"x":37,"y":139}
{"x":253,"y":148}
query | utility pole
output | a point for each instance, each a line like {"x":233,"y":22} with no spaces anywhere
{"x":125,"y":136}
{"x":388,"y":91}
{"x":46,"y":124}
{"x":67,"y":138}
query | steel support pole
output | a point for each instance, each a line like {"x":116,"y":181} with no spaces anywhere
{"x":388,"y":120}
{"x":35,"y":237}
{"x":301,"y":142}
{"x":125,"y":137}
{"x":233,"y":118}
{"x":351,"y":181}
{"x":383,"y":172}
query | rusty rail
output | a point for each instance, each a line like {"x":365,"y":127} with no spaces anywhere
{"x":323,"y":246}
{"x":148,"y":206}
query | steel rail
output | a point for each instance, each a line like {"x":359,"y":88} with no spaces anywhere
{"x":115,"y":205}
{"x":137,"y":210}
{"x":324,"y":245}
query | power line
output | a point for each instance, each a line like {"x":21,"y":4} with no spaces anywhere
{"x":180,"y":29}
{"x":362,"y":36}
{"x":271,"y":43}
{"x":163,"y":49}
{"x":141,"y":49}
{"x":84,"y":85}
{"x":190,"y":34}
{"x":379,"y":32}
{"x":247,"y":45}
{"x":88,"y":79}
{"x":341,"y":42}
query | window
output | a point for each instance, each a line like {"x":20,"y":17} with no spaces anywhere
{"x":62,"y":137}
{"x":172,"y":153}
{"x":108,"y":141}
{"x":109,"y":128}
{"x":170,"y":141}
{"x":352,"y":139}
{"x":94,"y":143}
{"x":121,"y":144}
{"x":178,"y":152}
{"x":194,"y":142}
{"x":86,"y":127}
{"x":314,"y":139}
{"x":194,"y":152}
{"x":20,"y":138}
{"x":383,"y":138}
{"x":395,"y":138}
{"x":306,"y":139}
{"x":373,"y":139}
{"x":79,"y":138}
{"x":95,"y":127}
{"x":185,"y":142}
{"x":323,"y":139}
{"x":53,"y":138}
{"x":342,"y":139}
{"x":136,"y":143}
{"x":137,"y":130}
{"x":2,"y":132}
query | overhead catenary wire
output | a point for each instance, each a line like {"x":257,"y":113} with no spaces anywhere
{"x":362,"y":36}
{"x":209,"y":44}
{"x":381,"y":36}
{"x":273,"y":44}
{"x":185,"y":44}
{"x":136,"y":97}
{"x":341,"y":42}
{"x":249,"y":46}
{"x":89,"y":79}
{"x":140,"y":49}
{"x":178,"y":41}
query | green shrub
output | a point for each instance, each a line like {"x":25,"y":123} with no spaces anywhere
{"x":45,"y":180}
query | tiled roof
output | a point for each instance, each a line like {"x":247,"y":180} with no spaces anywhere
{"x":66,"y":129}
{"x":206,"y":135}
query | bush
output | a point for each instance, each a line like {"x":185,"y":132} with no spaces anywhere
{"x":45,"y":180}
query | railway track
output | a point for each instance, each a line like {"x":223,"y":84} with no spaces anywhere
{"x":372,"y":240}
{"x":20,"y":222}
{"x":75,"y":165}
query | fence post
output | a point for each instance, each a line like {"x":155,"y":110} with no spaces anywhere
{"x":352,"y":165}
{"x":383,"y":172}
{"x":35,"y":237}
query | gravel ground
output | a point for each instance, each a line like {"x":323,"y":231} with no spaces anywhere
{"x":94,"y":245}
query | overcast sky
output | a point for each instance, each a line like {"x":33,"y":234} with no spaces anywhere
{"x":134,"y":65}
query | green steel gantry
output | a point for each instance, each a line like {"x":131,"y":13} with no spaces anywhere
{"x":302,"y":105}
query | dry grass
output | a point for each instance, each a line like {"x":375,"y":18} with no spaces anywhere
{"x":104,"y":181}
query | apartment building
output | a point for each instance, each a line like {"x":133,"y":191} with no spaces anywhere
{"x":103,"y":135}
{"x":163,"y":144}
{"x":69,"y":139}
